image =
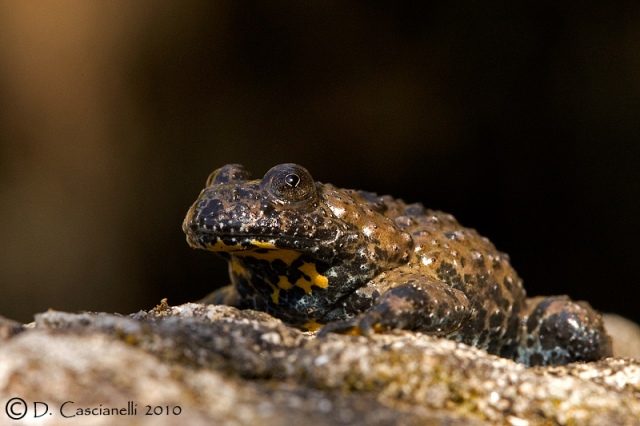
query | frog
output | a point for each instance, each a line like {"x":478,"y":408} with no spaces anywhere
{"x":331,"y":260}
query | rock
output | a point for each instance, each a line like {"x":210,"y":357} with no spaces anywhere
{"x":625,"y":335}
{"x":215,"y":364}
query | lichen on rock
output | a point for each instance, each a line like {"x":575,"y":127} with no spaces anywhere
{"x":221,"y":364}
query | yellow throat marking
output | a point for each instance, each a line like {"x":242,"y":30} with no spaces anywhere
{"x":309,"y":269}
{"x":311,"y":275}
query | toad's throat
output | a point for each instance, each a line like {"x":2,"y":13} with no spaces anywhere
{"x":295,"y":271}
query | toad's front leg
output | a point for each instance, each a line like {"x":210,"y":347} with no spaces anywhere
{"x":227,"y":295}
{"x":409,"y":302}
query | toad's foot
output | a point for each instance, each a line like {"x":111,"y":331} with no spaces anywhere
{"x":557,"y":331}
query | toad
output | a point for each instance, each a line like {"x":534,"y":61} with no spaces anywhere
{"x":348,"y":261}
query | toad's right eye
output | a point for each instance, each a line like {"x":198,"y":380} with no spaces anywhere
{"x":228,"y":173}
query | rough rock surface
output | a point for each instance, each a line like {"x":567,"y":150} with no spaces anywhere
{"x":197,"y":364}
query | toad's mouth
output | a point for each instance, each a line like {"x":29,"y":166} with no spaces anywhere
{"x":243,"y":242}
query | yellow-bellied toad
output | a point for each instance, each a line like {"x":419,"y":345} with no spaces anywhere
{"x":352,"y":261}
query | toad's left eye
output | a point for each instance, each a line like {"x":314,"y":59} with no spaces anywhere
{"x":290,"y":183}
{"x":292,"y":180}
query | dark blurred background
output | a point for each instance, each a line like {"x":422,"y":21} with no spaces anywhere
{"x":521,"y":120}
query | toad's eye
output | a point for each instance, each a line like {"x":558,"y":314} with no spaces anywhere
{"x":289,"y":183}
{"x":228,"y":173}
{"x":292,"y":180}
